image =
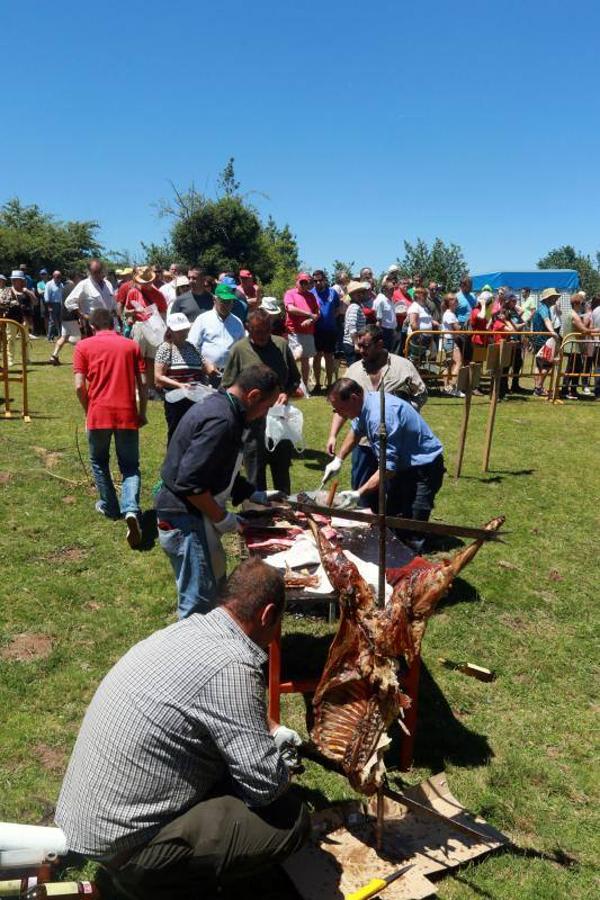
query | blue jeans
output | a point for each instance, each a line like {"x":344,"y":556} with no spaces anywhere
{"x":185,"y":545}
{"x":54,"y":319}
{"x":128,"y":456}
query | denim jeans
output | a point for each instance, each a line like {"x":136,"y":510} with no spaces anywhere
{"x":128,"y":458}
{"x":185,"y":545}
{"x":54,"y":319}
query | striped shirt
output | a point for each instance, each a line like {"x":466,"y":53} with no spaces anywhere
{"x":354,"y":322}
{"x":179,"y":712}
{"x":183,"y":363}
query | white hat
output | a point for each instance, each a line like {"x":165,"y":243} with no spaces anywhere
{"x":270,"y":305}
{"x":393,"y":268}
{"x":182,"y":281}
{"x":16,"y":273}
{"x":178,"y":322}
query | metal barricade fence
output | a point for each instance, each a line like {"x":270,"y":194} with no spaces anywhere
{"x":9,"y":332}
{"x":432,"y":367}
{"x":575,"y":358}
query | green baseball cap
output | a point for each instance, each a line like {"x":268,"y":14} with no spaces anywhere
{"x":225,"y":292}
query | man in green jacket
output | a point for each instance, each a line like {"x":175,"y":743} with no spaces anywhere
{"x":261,"y":346}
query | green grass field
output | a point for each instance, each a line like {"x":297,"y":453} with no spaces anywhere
{"x":519,"y":750}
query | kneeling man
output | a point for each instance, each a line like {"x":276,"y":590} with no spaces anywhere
{"x":176,"y":783}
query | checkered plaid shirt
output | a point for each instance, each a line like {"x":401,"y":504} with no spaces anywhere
{"x":177,"y":713}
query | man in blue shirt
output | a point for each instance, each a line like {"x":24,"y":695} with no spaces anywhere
{"x":466,"y":303}
{"x":53,"y":297}
{"x":325,"y":328}
{"x":414,"y":459}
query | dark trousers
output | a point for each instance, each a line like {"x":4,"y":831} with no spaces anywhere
{"x":257,"y":458}
{"x":517,"y":366}
{"x":411,"y":495}
{"x":174,"y":413}
{"x":571,"y":382}
{"x":217,"y":842}
{"x":389,"y":336}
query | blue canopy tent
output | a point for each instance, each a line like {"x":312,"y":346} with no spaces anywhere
{"x":563,"y":280}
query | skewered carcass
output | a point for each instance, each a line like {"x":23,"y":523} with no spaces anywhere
{"x":359,"y":694}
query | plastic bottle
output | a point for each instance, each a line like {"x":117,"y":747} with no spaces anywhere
{"x":17,"y":887}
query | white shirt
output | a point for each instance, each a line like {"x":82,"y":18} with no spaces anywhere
{"x":213,"y":336}
{"x":385,"y":311}
{"x":89,"y":295}
{"x":449,"y":320}
{"x":168,"y":291}
{"x":425,"y":319}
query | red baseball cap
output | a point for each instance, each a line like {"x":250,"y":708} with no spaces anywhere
{"x":245,"y":273}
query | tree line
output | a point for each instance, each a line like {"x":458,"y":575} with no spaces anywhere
{"x":225,"y":232}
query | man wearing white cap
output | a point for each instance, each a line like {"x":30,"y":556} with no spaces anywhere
{"x":16,"y":303}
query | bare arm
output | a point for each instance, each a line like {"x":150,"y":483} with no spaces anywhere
{"x":81,"y":390}
{"x":207,"y":505}
{"x":140,"y":380}
{"x":336,"y":426}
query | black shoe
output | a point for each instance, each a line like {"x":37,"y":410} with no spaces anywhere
{"x":55,"y":360}
{"x":134,"y":532}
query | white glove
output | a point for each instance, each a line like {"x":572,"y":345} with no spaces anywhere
{"x":265,"y":497}
{"x":331,"y":469}
{"x":347,"y":500}
{"x":227,"y":524}
{"x":283,"y":736}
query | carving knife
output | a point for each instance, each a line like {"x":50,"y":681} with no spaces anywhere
{"x":377,"y":885}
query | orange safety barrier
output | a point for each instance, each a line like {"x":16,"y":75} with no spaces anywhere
{"x":9,"y":331}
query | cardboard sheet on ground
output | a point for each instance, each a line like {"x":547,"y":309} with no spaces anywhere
{"x":342,"y":858}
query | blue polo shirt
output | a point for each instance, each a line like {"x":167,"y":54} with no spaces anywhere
{"x":410,"y":440}
{"x":465,"y":303}
{"x":329,"y":303}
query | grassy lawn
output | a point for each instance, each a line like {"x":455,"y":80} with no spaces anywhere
{"x":519,"y":750}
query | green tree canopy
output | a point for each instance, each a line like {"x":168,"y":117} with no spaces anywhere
{"x":29,"y":235}
{"x":568,"y":257}
{"x":441,"y":262}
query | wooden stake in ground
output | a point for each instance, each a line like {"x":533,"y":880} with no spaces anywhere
{"x":499,"y":357}
{"x":468,"y":379}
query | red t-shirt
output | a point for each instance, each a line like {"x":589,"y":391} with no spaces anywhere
{"x":479,"y":323}
{"x":499,"y":329}
{"x":121,"y":292}
{"x":306,"y":301}
{"x":110,"y":364}
{"x":138,"y":298}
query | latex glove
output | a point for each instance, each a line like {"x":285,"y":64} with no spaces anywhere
{"x":331,"y":469}
{"x":230,"y":523}
{"x":265,"y":497}
{"x":347,"y":499}
{"x":283,"y":735}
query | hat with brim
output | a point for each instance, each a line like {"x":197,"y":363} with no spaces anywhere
{"x":3,"y":278}
{"x":549,"y":294}
{"x":357,"y":286}
{"x":144,"y":276}
{"x":225,"y":292}
{"x":182,"y":281}
{"x":178,"y":322}
{"x":16,"y":273}
{"x":270,"y":305}
{"x":126,"y":271}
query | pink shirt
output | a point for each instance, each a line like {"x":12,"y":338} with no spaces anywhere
{"x":307,"y":302}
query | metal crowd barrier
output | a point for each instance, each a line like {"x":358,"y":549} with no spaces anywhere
{"x":434,"y":366}
{"x":9,"y":332}
{"x":576,"y":338}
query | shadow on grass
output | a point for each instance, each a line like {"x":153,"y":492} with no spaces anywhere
{"x":496,"y":476}
{"x":460,"y":592}
{"x":318,"y":458}
{"x":149,"y":531}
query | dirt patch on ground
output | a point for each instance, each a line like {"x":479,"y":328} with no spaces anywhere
{"x":51,"y":758}
{"x":48,"y":458}
{"x":69,"y":499}
{"x":67,"y":554}
{"x":5,"y":477}
{"x":27,"y":647}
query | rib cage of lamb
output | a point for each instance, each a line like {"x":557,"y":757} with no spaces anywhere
{"x":359,"y":695}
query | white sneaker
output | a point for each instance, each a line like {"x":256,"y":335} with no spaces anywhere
{"x":457,"y":393}
{"x":587,"y":391}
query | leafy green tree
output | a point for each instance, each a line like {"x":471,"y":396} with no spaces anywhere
{"x":338,"y":265}
{"x":441,"y":262}
{"x":29,"y":235}
{"x":567,"y":257}
{"x":227,"y":182}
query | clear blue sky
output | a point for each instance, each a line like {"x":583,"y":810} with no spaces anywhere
{"x":364,"y":123}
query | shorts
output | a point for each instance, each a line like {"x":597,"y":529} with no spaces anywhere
{"x":147,"y":349}
{"x":325,"y":341}
{"x":71,"y":330}
{"x":302,"y":345}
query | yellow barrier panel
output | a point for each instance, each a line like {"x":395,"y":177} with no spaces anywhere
{"x":575,"y":337}
{"x":9,"y":330}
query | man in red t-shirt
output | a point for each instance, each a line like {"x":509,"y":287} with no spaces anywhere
{"x":108,"y":369}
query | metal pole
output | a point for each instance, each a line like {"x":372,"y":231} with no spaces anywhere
{"x":382,"y":461}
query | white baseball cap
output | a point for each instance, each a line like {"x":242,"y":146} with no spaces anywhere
{"x":182,"y":281}
{"x":178,"y":322}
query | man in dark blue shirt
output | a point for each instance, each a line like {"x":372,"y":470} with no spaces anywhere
{"x":414,"y":456}
{"x":325,"y":328}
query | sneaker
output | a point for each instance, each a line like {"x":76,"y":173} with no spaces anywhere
{"x":457,"y":393}
{"x":540,"y":392}
{"x":55,"y":360}
{"x":571,"y":397}
{"x":134,"y":532}
{"x":100,"y":508}
{"x":587,"y":392}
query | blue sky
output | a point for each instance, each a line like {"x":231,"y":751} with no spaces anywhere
{"x":364,"y":124}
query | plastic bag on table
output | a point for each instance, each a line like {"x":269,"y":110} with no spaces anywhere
{"x":284,"y":423}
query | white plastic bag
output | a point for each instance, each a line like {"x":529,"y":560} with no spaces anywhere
{"x":154,"y":326}
{"x":284,"y":423}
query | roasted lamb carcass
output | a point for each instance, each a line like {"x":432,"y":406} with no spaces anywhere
{"x":359,"y":695}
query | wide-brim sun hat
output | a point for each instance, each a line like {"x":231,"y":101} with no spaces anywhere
{"x":270,"y":305}
{"x":548,"y":294}
{"x":357,"y":286}
{"x":144,"y":276}
{"x":178,"y":322}
{"x":126,"y":271}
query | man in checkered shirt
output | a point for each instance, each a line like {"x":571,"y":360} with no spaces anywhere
{"x":176,"y":781}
